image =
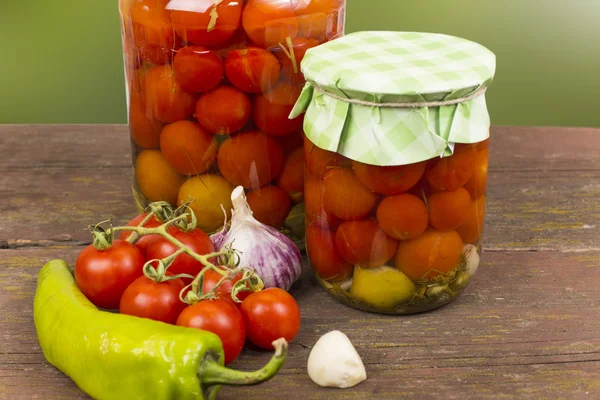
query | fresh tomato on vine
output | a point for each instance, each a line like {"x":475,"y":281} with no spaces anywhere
{"x":212,"y":278}
{"x":269,"y":315}
{"x":146,"y":298}
{"x":143,"y":242}
{"x":220,"y":317}
{"x":196,"y":240}
{"x":103,"y":275}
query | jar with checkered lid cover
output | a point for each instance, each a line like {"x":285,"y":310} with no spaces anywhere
{"x":396,"y":148}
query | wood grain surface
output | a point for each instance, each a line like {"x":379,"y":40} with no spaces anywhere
{"x":527,"y":326}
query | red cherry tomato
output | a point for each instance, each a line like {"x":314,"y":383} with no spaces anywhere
{"x":250,"y":159}
{"x":270,"y":205}
{"x":364,"y":243}
{"x":269,"y":23}
{"x":450,"y":173}
{"x":271,"y":110}
{"x":324,"y":256}
{"x":220,"y":317}
{"x":145,"y":129}
{"x":314,"y":211}
{"x":143,"y":242}
{"x":189,"y":149}
{"x":291,"y":179}
{"x":208,"y":26}
{"x":223,"y":111}
{"x":290,"y":67}
{"x":320,"y":19}
{"x":198,"y":69}
{"x":196,"y":240}
{"x":152,"y":30}
{"x":389,"y":180}
{"x":211,"y":278}
{"x":269,"y":315}
{"x":146,"y":298}
{"x":166,"y":100}
{"x":319,"y":161}
{"x":252,"y":70}
{"x":103,"y":275}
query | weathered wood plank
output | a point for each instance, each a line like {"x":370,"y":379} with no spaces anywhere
{"x":58,"y":203}
{"x":527,"y":326}
{"x":69,"y":146}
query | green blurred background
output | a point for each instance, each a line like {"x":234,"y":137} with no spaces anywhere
{"x":61,"y":60}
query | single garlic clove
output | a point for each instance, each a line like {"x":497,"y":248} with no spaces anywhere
{"x":346,"y":285}
{"x":334,"y":362}
{"x":472,"y":257}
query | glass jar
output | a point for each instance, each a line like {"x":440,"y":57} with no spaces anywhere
{"x":210,"y":85}
{"x":395,"y":179}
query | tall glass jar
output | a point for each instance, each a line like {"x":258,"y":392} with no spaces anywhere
{"x":210,"y":85}
{"x":396,"y":152}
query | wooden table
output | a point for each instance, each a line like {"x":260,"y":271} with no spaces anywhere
{"x":527,"y":327}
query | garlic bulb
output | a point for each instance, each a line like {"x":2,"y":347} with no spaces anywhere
{"x":334,"y":362}
{"x":273,"y":256}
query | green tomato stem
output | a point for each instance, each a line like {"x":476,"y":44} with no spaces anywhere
{"x":134,"y":237}
{"x":162,"y":231}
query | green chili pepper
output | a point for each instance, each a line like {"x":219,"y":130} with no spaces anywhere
{"x":114,"y":356}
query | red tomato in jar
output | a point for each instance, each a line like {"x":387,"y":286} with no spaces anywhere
{"x":252,"y":70}
{"x":345,"y":196}
{"x":270,"y":205}
{"x":477,"y":185}
{"x":429,"y":255}
{"x":472,"y":230}
{"x":319,"y":161}
{"x":188,"y":148}
{"x":198,"y":69}
{"x":211,"y":278}
{"x":291,"y":179}
{"x":364,"y":243}
{"x":269,"y":315}
{"x":449,"y":209}
{"x":269,"y":23}
{"x":319,"y":19}
{"x":223,"y":111}
{"x":270,"y":111}
{"x":450,"y":173}
{"x":313,"y":206}
{"x":402,"y":217}
{"x":103,"y":275}
{"x":389,"y":180}
{"x":290,"y":67}
{"x":324,"y":257}
{"x":143,"y":242}
{"x":250,"y":159}
{"x":146,"y":298}
{"x":166,"y":99}
{"x":196,"y":240}
{"x":153,"y":33}
{"x":207,"y":23}
{"x":144,"y":128}
{"x":220,"y":317}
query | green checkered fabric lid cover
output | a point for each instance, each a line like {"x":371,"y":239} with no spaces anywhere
{"x":388,"y":68}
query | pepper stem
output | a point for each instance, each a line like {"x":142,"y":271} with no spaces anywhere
{"x":212,"y":373}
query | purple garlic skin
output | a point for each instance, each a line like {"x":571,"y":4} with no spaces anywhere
{"x":272,"y":255}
